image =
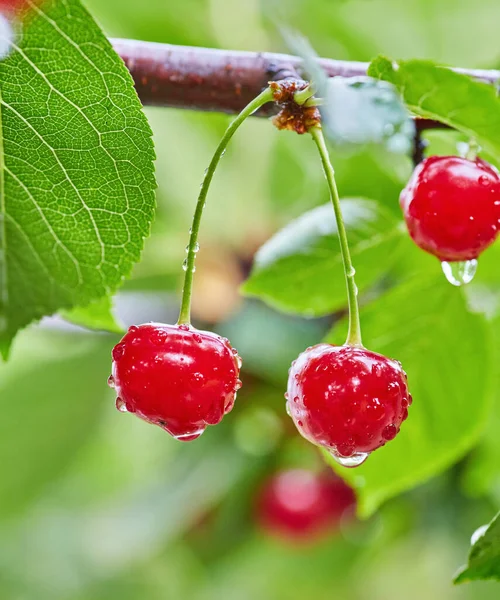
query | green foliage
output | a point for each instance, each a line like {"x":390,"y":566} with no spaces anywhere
{"x":97,"y":315}
{"x":300,"y":269}
{"x":439,"y":93}
{"x":76,"y":168}
{"x":446,"y":352}
{"x":51,"y":394}
{"x":484,"y":556}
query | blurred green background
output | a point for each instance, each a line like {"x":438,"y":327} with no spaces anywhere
{"x":95,"y":505}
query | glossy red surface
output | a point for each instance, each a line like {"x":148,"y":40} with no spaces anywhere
{"x":299,"y":504}
{"x":452,"y":207}
{"x":176,"y":377}
{"x":347,"y":399}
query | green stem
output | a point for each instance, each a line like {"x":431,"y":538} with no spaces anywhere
{"x":354,"y":333}
{"x":472,"y":150}
{"x":185,"y":312}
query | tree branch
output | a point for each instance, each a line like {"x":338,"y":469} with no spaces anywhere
{"x":226,"y":80}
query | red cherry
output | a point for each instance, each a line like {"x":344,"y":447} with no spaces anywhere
{"x":347,"y":399}
{"x":176,"y":377}
{"x":300,"y":505}
{"x":452,"y":207}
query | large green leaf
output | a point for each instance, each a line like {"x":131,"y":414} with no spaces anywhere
{"x":439,"y":93}
{"x":447,"y":354}
{"x":51,"y":392}
{"x":484,"y":556}
{"x":300,"y":269}
{"x":76,"y":168}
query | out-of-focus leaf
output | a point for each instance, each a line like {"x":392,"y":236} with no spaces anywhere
{"x":362,"y":110}
{"x":484,"y":556}
{"x":269,"y":340}
{"x":51,"y":392}
{"x":97,"y":315}
{"x":447,"y":354}
{"x":300,"y":269}
{"x":439,"y":93}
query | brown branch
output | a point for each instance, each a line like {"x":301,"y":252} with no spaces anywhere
{"x":226,"y":80}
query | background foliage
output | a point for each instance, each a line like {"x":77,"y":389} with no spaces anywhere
{"x":94,"y":504}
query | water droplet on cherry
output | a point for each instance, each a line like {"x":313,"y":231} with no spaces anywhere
{"x":459,"y":273}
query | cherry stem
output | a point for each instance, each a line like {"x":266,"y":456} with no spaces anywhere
{"x":192,"y":249}
{"x":354,"y":333}
{"x":472,"y":150}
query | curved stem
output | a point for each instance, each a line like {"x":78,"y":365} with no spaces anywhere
{"x":185,"y":312}
{"x":354,"y":334}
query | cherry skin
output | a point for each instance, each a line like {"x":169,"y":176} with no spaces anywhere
{"x":347,"y":399}
{"x":451,"y":206}
{"x":301,"y":505}
{"x":175,"y":376}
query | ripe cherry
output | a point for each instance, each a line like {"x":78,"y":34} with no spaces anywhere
{"x":347,"y":399}
{"x":301,"y":505}
{"x":175,"y":376}
{"x":452,"y":207}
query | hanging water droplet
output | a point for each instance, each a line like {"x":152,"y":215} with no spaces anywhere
{"x":288,"y":409}
{"x":189,"y":437}
{"x":111,"y":381}
{"x":480,"y":531}
{"x":459,"y":273}
{"x":185,"y":265}
{"x":120,"y":404}
{"x":195,"y":249}
{"x":354,"y":460}
{"x":351,"y":272}
{"x":237,"y":385}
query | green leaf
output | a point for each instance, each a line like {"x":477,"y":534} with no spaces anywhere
{"x":437,"y":92}
{"x":51,"y":392}
{"x":96,"y":315}
{"x":76,"y":168}
{"x":300,"y":269}
{"x":447,"y":354}
{"x":484,"y":556}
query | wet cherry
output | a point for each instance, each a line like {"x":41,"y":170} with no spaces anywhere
{"x":175,"y":376}
{"x":452,"y":207}
{"x":302,"y":505}
{"x":347,"y":399}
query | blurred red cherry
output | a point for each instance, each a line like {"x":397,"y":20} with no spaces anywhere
{"x":299,"y":505}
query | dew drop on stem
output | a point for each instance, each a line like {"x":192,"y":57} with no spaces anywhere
{"x":459,"y":273}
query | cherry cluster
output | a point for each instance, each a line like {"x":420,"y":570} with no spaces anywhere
{"x":346,"y":399}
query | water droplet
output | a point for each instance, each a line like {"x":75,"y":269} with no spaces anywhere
{"x":111,"y":381}
{"x":184,"y":327}
{"x":198,"y":378}
{"x":133,"y":329}
{"x":480,"y":531}
{"x":393,"y":388}
{"x":195,"y":249}
{"x":296,"y":399}
{"x":377,"y":370}
{"x":120,"y":404}
{"x":197,"y":338}
{"x":189,"y":437}
{"x":288,"y":409}
{"x":6,"y":36}
{"x":299,"y":423}
{"x":118,"y":351}
{"x":483,"y":180}
{"x":410,"y":399}
{"x":356,"y":459}
{"x":185,"y":265}
{"x":237,"y":385}
{"x":459,"y":273}
{"x":351,"y":272}
{"x":286,"y":395}
{"x":389,"y":432}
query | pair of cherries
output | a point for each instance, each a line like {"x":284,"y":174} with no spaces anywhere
{"x":346,"y":399}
